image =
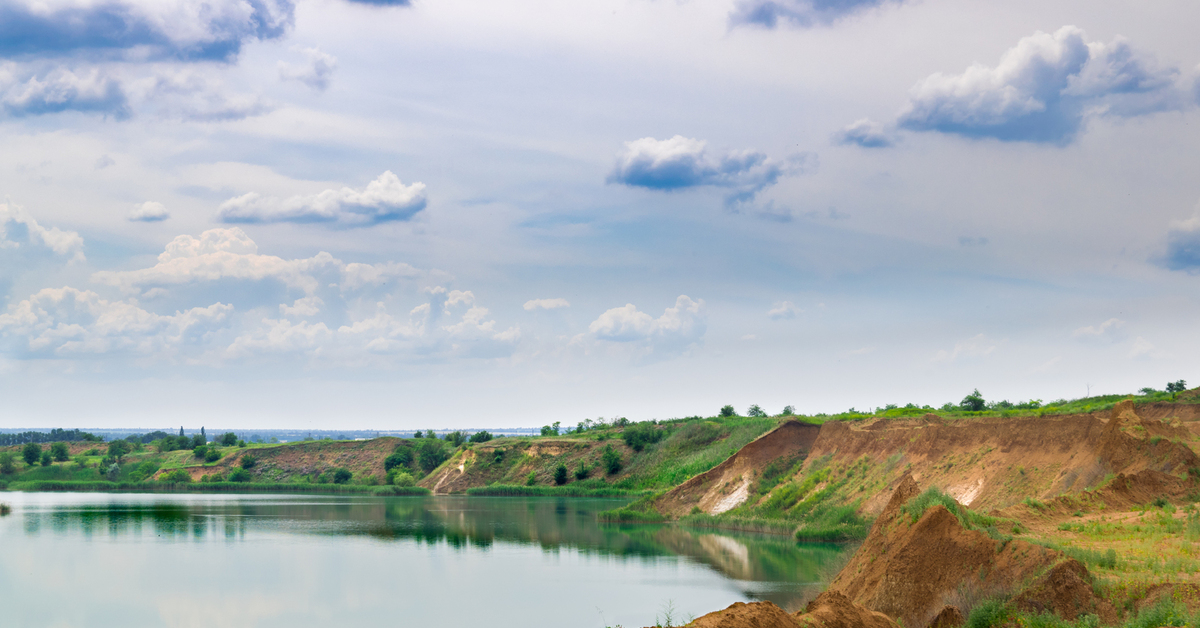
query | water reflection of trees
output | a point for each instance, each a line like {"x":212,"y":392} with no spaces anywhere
{"x":460,"y":522}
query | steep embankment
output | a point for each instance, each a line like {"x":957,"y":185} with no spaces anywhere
{"x":510,"y":461}
{"x":991,"y":462}
{"x":728,"y":484}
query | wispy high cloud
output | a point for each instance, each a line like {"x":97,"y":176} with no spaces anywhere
{"x":680,"y":162}
{"x":1043,"y":89}
{"x":803,"y":13}
{"x":865,"y":133}
{"x":385,"y":199}
{"x":785,"y":310}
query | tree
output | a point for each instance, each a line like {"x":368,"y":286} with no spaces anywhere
{"x":551,"y":430}
{"x":60,"y":452}
{"x":341,"y":475}
{"x":200,"y":451}
{"x":1176,"y":387}
{"x":248,"y":461}
{"x":31,"y":453}
{"x":181,"y":431}
{"x":481,"y":437}
{"x":560,"y":474}
{"x":418,"y":434}
{"x":178,"y":476}
{"x":755,"y":410}
{"x":229,"y":439}
{"x":612,"y":459}
{"x":403,"y":478}
{"x":212,"y":455}
{"x":431,"y":453}
{"x":197,"y":441}
{"x":728,"y":411}
{"x":973,"y":402}
{"x":583,"y":471}
{"x":788,"y":411}
{"x":47,"y":459}
{"x":640,"y":435}
{"x":6,"y":464}
{"x":455,"y":438}
{"x":118,"y":448}
{"x":203,"y":436}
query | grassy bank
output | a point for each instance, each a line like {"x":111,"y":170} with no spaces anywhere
{"x":210,"y":487}
{"x":571,"y":490}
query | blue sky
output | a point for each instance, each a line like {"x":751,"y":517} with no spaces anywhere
{"x":326,"y":213}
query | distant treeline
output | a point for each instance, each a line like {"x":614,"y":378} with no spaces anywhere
{"x":54,"y":435}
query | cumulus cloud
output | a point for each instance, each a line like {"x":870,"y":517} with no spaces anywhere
{"x":150,"y":211}
{"x":803,"y":13}
{"x":62,"y":90}
{"x":973,"y":347}
{"x":66,"y":322}
{"x":16,"y":225}
{"x":1183,"y":246}
{"x":785,"y":310}
{"x":1043,"y":89}
{"x":134,"y":30}
{"x":546,"y":304}
{"x":864,"y":133}
{"x":230,"y":254}
{"x":195,"y":95}
{"x":1108,"y":330}
{"x":385,"y":199}
{"x":677,"y":329}
{"x":315,"y":72}
{"x":1143,"y":349}
{"x":680,"y":162}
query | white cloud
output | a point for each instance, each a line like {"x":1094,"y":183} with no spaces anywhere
{"x":785,"y":310}
{"x":678,"y":328}
{"x":61,"y":242}
{"x":681,"y":162}
{"x":1144,"y":349}
{"x":150,"y":211}
{"x":66,"y":322}
{"x":280,"y":336}
{"x":865,"y":133}
{"x":546,"y":304}
{"x":1043,"y":88}
{"x":803,"y":13}
{"x":383,"y":200}
{"x":316,"y":72}
{"x":973,"y":347}
{"x":63,"y":90}
{"x":1108,"y":330}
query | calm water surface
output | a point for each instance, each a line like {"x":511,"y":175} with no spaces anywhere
{"x":219,"y":561}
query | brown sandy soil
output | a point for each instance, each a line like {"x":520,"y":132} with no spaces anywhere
{"x":996,"y":462}
{"x":911,"y":571}
{"x":285,"y":463}
{"x":831,"y":609}
{"x":727,"y":485}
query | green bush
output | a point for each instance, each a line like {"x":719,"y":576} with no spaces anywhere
{"x":973,"y":402}
{"x":455,"y":438}
{"x":988,"y":614}
{"x":642,"y":434}
{"x":6,"y":464}
{"x":228,"y":439}
{"x":481,"y":437}
{"x":403,"y":479}
{"x":560,"y":474}
{"x":240,"y":475}
{"x":200,"y":451}
{"x":60,"y":451}
{"x":212,"y":455}
{"x":178,"y":476}
{"x":47,"y":459}
{"x":342,"y":475}
{"x":611,"y":459}
{"x":402,"y":456}
{"x":248,"y":461}
{"x":728,"y":411}
{"x":531,"y":479}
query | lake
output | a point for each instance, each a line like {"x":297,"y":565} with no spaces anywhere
{"x":227,"y":561}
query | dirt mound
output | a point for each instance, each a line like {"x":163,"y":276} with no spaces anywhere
{"x":832,"y":609}
{"x":509,"y":461}
{"x":1065,"y":590}
{"x":728,"y":484}
{"x":743,"y":615}
{"x":948,"y":617}
{"x":911,"y":570}
{"x":284,"y":463}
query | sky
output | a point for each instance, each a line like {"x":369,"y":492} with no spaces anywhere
{"x":440,"y":213}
